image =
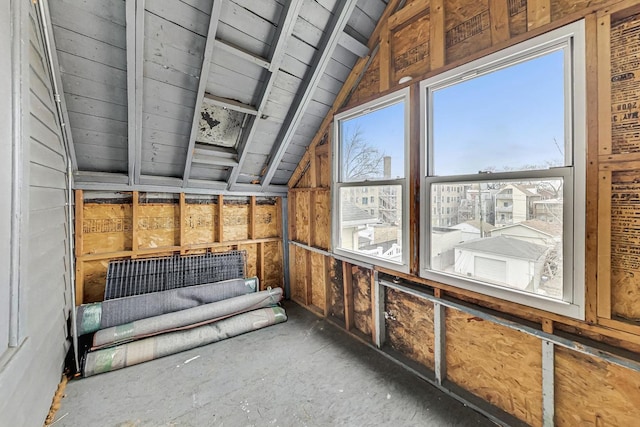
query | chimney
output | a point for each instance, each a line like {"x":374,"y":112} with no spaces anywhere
{"x":387,"y":167}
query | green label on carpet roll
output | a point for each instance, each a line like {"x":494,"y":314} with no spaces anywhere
{"x":91,"y":318}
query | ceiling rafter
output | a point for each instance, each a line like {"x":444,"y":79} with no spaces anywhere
{"x":204,"y":74}
{"x":277,"y":55}
{"x":303,"y":98}
{"x":134,"y":15}
{"x":230,"y":104}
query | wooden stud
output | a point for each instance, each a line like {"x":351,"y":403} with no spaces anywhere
{"x":547,"y":326}
{"x":408,"y":12}
{"x":79,"y":281}
{"x":604,"y":245}
{"x":252,"y":217}
{"x":79,"y":230}
{"x":347,"y":280}
{"x":391,"y":8}
{"x":260,"y":265}
{"x":292,"y":270}
{"x":538,"y":13}
{"x":220,"y":223}
{"x":183,"y":217}
{"x":436,"y":36}
{"x":311,"y":236}
{"x":438,"y":293}
{"x":499,"y":15}
{"x":415,"y":179}
{"x":385,"y":58}
{"x":279,"y":216}
{"x":604,"y":84}
{"x":308,"y":284}
{"x":591,"y":231}
{"x":134,"y":223}
{"x":374,"y":304}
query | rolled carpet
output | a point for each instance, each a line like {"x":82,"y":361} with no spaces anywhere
{"x":101,"y":315}
{"x":113,"y":358}
{"x":185,"y":319}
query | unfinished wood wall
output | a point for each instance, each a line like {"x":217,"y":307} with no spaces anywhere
{"x":136,"y":225}
{"x":496,"y":363}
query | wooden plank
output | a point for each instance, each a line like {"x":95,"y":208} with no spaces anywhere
{"x":327,"y":285}
{"x":547,"y":326}
{"x":385,"y":58}
{"x":362,"y":301}
{"x":79,"y":282}
{"x":252,"y":217}
{"x":183,"y":218}
{"x":261,"y":266}
{"x":220,"y":224}
{"x":604,"y":83}
{"x":408,"y":12}
{"x":604,"y":245}
{"x":374,"y":306}
{"x":79,"y":231}
{"x":410,"y":51}
{"x":538,"y":13}
{"x":437,"y":38}
{"x":391,"y":8}
{"x":499,"y":12}
{"x":347,"y":283}
{"x":134,"y":222}
{"x":591,"y":231}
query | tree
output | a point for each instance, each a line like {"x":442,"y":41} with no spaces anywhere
{"x":360,"y":160}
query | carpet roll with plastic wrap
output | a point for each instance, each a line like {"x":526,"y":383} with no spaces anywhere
{"x":185,"y":319}
{"x":119,"y":311}
{"x":113,"y":358}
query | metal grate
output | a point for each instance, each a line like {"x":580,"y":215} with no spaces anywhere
{"x":141,"y":276}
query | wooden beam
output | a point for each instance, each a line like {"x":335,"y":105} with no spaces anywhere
{"x":230,"y":104}
{"x":308,"y":283}
{"x":385,"y":58}
{"x":305,"y":94}
{"x":547,"y":326}
{"x":436,"y":33}
{"x":252,"y":217}
{"x":202,"y":85}
{"x":227,"y":47}
{"x":220,"y":224}
{"x":139,"y":84}
{"x":392,"y":7}
{"x":407,"y":12}
{"x":353,"y":45}
{"x":415,"y":179}
{"x":604,"y":84}
{"x":284,"y":31}
{"x":347,"y":281}
{"x":260,"y":266}
{"x":183,"y":217}
{"x":538,"y":13}
{"x":604,"y":245}
{"x":499,"y":15}
{"x":134,"y":222}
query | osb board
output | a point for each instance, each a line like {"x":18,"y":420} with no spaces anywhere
{"x":200,"y":223}
{"x":322,"y":230}
{"x":235,"y":222}
{"x":95,"y":280}
{"x":498,"y":364}
{"x":409,"y":326}
{"x":305,"y":180}
{"x":362,"y":314}
{"x":517,"y":17}
{"x":299,"y":282}
{"x":625,"y":86}
{"x":273,"y":266}
{"x":467,"y":28}
{"x":106,"y":228}
{"x":158,"y":226}
{"x":266,"y":221}
{"x":625,"y":245}
{"x":592,"y":392}
{"x":562,"y":8}
{"x":301,"y":220}
{"x":252,"y":259}
{"x":410,"y":48}
{"x":318,"y":280}
{"x":323,"y":165}
{"x":336,"y":292}
{"x":369,"y":84}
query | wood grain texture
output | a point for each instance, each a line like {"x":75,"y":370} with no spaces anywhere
{"x":498,"y":364}
{"x":410,"y":48}
{"x":409,"y":326}
{"x":592,"y":392}
{"x":538,"y":13}
{"x":517,"y":17}
{"x":336,"y":293}
{"x":235,"y":220}
{"x":158,"y":226}
{"x":467,"y":28}
{"x":301,"y":220}
{"x":318,"y":281}
{"x":299,"y":274}
{"x":562,"y":8}
{"x":252,"y":260}
{"x":369,"y":83}
{"x":362,"y":313}
{"x":106,"y":227}
{"x":322,"y":220}
{"x":499,"y":13}
{"x":200,"y":223}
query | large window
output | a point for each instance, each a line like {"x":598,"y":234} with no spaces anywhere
{"x":370,"y":182}
{"x":504,"y":165}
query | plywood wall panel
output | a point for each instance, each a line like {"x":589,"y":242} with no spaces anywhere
{"x":592,"y":392}
{"x":498,"y":364}
{"x":362,"y":313}
{"x":158,"y":226}
{"x":323,"y":164}
{"x":266,"y":218}
{"x":335,"y":310}
{"x":369,"y":83}
{"x":409,"y":326}
{"x":517,"y":17}
{"x":273,"y":265}
{"x":235,"y":219}
{"x":301,"y":220}
{"x":200,"y":223}
{"x":95,"y":280}
{"x":410,"y":48}
{"x":252,"y":258}
{"x":106,"y":227}
{"x":467,"y":28}
{"x":322,"y":220}
{"x":318,"y":281}
{"x":299,"y":282}
{"x":562,"y":8}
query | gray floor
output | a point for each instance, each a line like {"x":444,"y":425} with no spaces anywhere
{"x":305,"y":372}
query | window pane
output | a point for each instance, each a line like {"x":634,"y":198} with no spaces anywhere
{"x":373,"y":228}
{"x":372,"y":145}
{"x":504,"y":233}
{"x":509,"y":119}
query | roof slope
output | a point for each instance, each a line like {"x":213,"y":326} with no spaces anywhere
{"x":506,"y":246}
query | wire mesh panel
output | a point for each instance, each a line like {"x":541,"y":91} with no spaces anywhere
{"x":140,"y":276}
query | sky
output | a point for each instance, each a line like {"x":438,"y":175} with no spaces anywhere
{"x":508,"y":118}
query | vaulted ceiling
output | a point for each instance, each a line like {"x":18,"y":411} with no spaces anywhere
{"x":201,"y":95}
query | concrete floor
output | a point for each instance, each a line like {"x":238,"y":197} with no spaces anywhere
{"x":305,"y":372}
